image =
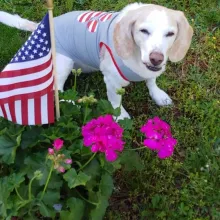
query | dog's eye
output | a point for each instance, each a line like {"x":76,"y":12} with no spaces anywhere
{"x":169,"y":34}
{"x":145,"y":31}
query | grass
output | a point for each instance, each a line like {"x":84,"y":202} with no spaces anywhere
{"x":186,"y":186}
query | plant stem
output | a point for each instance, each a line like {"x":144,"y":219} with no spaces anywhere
{"x":18,"y":194}
{"x":29,"y":188}
{"x":139,"y":148}
{"x":48,"y":179}
{"x":93,"y":203}
{"x":74,"y":87}
{"x":86,"y":108}
{"x":119,"y":107}
{"x":90,"y":159}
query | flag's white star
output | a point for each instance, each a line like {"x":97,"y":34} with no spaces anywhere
{"x":42,"y":25}
{"x":19,"y":53}
{"x":29,"y":47}
{"x":35,"y":51}
{"x":23,"y":58}
{"x":38,"y":46}
{"x":44,"y":48}
{"x":22,"y":48}
{"x":41,"y":40}
{"x":16,"y":58}
{"x":38,"y":31}
{"x":46,"y":42}
{"x":48,"y":49}
{"x":26,"y":43}
{"x":26,"y":52}
{"x":40,"y":54}
{"x":32,"y":56}
{"x":35,"y":36}
{"x":32,"y":42}
{"x":44,"y":34}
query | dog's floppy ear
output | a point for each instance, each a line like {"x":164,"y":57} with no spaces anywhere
{"x":182,"y":43}
{"x":123,"y":40}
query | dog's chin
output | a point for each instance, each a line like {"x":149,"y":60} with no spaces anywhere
{"x":154,"y":68}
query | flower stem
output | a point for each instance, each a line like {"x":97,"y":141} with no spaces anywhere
{"x":18,"y":194}
{"x":119,"y":107}
{"x":85,"y":115}
{"x":139,"y":148}
{"x":93,"y":203}
{"x":90,"y":159}
{"x":74,"y":87}
{"x":48,"y":179}
{"x":29,"y":188}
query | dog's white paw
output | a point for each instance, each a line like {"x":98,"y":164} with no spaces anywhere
{"x":160,"y":97}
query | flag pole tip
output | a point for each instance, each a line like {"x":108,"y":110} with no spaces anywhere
{"x":50,"y":4}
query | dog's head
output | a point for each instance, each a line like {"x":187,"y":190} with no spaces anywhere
{"x":156,"y":32}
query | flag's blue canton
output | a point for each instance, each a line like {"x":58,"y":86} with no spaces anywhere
{"x":38,"y":44}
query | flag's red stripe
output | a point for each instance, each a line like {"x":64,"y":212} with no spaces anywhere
{"x":50,"y":104}
{"x":109,"y":16}
{"x":24,"y":111}
{"x":82,"y":16}
{"x":12,"y":111}
{"x":22,"y":72}
{"x":37,"y":110}
{"x":30,"y":83}
{"x":27,"y":96}
{"x":3,"y":111}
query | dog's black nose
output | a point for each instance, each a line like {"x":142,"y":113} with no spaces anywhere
{"x":156,"y":58}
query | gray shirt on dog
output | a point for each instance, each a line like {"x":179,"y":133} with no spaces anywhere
{"x":80,"y":34}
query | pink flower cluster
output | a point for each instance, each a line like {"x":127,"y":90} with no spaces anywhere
{"x":159,"y":137}
{"x":104,"y":135}
{"x":58,"y":158}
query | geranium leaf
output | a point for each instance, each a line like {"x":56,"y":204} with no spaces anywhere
{"x":126,"y":123}
{"x":45,"y":210}
{"x":99,"y":212}
{"x":51,"y":197}
{"x":106,"y":185}
{"x":73,"y":179}
{"x":31,"y":137}
{"x":77,"y":210}
{"x":131,"y":161}
{"x":8,"y":147}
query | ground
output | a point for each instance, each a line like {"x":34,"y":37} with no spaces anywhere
{"x":187,"y":185}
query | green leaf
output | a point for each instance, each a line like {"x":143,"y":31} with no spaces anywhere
{"x":45,"y":210}
{"x":77,"y":210}
{"x":106,"y":185}
{"x":117,"y":111}
{"x":51,"y":197}
{"x":7,"y":185}
{"x":131,"y":161}
{"x":105,"y":107}
{"x":99,"y":212}
{"x":126,"y":123}
{"x":8,"y":147}
{"x":31,"y":137}
{"x":73,"y":179}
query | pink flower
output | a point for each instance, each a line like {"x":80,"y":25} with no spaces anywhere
{"x":50,"y":151}
{"x":159,"y":137}
{"x":103,"y":135}
{"x":61,"y":169}
{"x":58,"y":144}
{"x":68,"y":161}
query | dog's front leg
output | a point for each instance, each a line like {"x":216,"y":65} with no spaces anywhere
{"x":112,"y":86}
{"x":157,"y":94}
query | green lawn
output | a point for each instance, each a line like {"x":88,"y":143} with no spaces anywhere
{"x":186,"y":186}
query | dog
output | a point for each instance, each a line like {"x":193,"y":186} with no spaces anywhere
{"x":131,"y":45}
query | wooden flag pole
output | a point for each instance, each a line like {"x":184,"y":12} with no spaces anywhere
{"x":53,"y":49}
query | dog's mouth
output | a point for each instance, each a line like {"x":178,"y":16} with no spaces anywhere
{"x":154,"y":68}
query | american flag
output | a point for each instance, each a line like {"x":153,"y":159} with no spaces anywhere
{"x":26,"y":83}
